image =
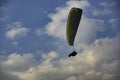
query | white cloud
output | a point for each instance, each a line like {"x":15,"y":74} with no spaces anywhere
{"x":88,"y":65}
{"x":50,"y":56}
{"x":108,"y":3}
{"x":111,"y":77}
{"x":113,"y":67}
{"x":39,"y":31}
{"x":20,"y":62}
{"x":101,"y":12}
{"x":87,"y":31}
{"x":3,"y":18}
{"x":15,"y":43}
{"x":57,"y":26}
{"x":82,"y":4}
{"x":114,"y":22}
{"x":16,"y":30}
{"x":2,"y":8}
{"x":71,"y":78}
{"x":106,"y":8}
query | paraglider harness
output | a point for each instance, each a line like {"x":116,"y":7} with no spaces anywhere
{"x":74,"y":53}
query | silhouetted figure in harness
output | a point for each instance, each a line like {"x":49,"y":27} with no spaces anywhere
{"x":74,"y":53}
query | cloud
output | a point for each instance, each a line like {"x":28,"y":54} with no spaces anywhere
{"x":101,"y":12}
{"x":3,"y":18}
{"x":114,"y":22}
{"x":91,"y":26}
{"x":50,"y":56}
{"x":15,"y":43}
{"x":57,"y":26}
{"x":111,"y":77}
{"x":108,"y":3}
{"x":16,"y":30}
{"x":90,"y":64}
{"x":16,"y":63}
{"x":105,"y":8}
{"x":87,"y":65}
{"x":20,"y":62}
{"x":40,"y":31}
{"x":71,"y":78}
{"x":2,"y":9}
{"x":88,"y":26}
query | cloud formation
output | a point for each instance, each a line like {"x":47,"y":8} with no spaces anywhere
{"x":99,"y":59}
{"x":91,"y":26}
{"x":91,"y":64}
{"x":16,"y":30}
{"x":101,"y":12}
{"x":57,"y":26}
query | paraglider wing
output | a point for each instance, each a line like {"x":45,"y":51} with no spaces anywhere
{"x":74,"y":18}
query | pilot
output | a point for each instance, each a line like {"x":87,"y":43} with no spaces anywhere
{"x":74,"y":53}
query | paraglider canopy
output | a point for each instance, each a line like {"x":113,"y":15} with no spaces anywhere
{"x":73,"y":21}
{"x":72,"y":24}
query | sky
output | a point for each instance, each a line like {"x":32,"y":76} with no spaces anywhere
{"x":33,"y":42}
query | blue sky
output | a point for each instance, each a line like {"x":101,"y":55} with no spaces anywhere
{"x":32,"y":15}
{"x":33,"y":41}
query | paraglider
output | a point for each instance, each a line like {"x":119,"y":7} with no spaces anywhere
{"x":73,"y":21}
{"x":73,"y":53}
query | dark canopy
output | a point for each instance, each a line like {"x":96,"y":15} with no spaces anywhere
{"x":74,"y":18}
